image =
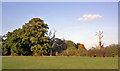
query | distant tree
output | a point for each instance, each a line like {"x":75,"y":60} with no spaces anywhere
{"x":108,"y":51}
{"x":100,"y":52}
{"x":81,"y":50}
{"x":59,"y":45}
{"x":76,"y":45}
{"x":99,"y":34}
{"x":81,"y":46}
{"x":111,"y":50}
{"x":91,"y":53}
{"x":70,"y":44}
{"x":52,"y":42}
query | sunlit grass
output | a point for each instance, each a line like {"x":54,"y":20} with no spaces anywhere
{"x":37,"y":62}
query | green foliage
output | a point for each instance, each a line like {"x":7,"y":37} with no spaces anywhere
{"x":74,"y":49}
{"x":109,"y":51}
{"x":59,"y":45}
{"x":70,"y":44}
{"x":30,"y":39}
{"x":72,"y":52}
{"x":82,"y":52}
{"x":64,"y":53}
{"x":112,"y":50}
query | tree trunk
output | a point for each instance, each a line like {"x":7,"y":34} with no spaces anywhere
{"x":42,"y":54}
{"x":21,"y":54}
{"x":51,"y":52}
{"x":100,"y":45}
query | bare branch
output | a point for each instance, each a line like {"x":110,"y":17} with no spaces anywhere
{"x":97,"y":34}
{"x":100,"y":37}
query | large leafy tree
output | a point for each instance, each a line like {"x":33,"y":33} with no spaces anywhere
{"x":32,"y":38}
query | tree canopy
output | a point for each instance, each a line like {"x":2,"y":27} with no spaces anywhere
{"x":59,"y":45}
{"x":70,"y":44}
{"x":31,"y":38}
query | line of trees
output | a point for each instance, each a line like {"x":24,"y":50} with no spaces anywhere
{"x":33,"y":39}
{"x":108,"y":51}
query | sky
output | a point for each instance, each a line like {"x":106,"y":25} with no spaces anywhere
{"x":75,"y":21}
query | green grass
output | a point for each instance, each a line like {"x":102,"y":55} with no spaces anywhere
{"x":37,"y":62}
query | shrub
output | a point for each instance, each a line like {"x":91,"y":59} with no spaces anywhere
{"x":100,"y":53}
{"x":109,"y":51}
{"x":14,"y":54}
{"x":91,"y":53}
{"x":36,"y":54}
{"x":112,"y":50}
{"x":64,"y":53}
{"x":56,"y":53}
{"x":82,"y":52}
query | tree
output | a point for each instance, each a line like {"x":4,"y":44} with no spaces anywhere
{"x":108,"y":51}
{"x":59,"y":45}
{"x":100,"y":37}
{"x":6,"y":44}
{"x":80,"y":46}
{"x":111,"y":50}
{"x":32,"y":38}
{"x":37,"y":31}
{"x":52,"y":41}
{"x":70,"y":44}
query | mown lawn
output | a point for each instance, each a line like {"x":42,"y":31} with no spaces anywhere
{"x":37,"y":62}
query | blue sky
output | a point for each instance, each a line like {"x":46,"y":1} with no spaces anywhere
{"x":76,"y":21}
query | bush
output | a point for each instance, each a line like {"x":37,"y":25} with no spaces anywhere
{"x":72,"y":52}
{"x":64,"y":53}
{"x":112,"y":50}
{"x":14,"y":54}
{"x":56,"y":53}
{"x":91,"y":53}
{"x":109,"y":51}
{"x":82,"y":52}
{"x":36,"y":54}
{"x":100,"y":53}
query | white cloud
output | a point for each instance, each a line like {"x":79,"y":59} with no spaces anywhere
{"x":86,"y":17}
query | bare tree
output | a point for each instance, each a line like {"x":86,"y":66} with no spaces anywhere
{"x":52,"y":41}
{"x":100,"y":37}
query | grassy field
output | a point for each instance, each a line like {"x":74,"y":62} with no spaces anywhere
{"x":37,"y":62}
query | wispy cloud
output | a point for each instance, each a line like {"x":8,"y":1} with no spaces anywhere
{"x":86,"y":17}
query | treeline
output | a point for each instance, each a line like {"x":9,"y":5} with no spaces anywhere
{"x":33,"y":39}
{"x":70,"y":49}
{"x":108,"y":51}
